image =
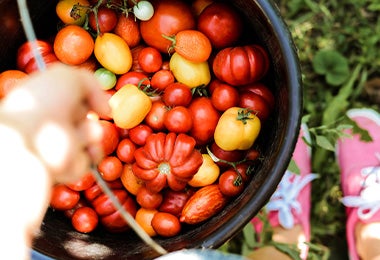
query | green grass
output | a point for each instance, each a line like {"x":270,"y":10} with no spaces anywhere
{"x":338,"y":43}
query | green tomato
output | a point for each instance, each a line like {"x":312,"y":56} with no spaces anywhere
{"x":192,"y":74}
{"x":106,"y":78}
{"x":143,"y":10}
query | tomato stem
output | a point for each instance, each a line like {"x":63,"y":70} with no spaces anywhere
{"x":245,"y":114}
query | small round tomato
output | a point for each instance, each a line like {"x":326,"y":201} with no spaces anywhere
{"x":128,"y":28}
{"x":70,"y":212}
{"x":256,"y":103}
{"x":150,"y":59}
{"x":230,"y":184}
{"x":63,"y":198}
{"x":144,"y":219}
{"x":178,"y":120}
{"x":161,"y":79}
{"x":140,"y":133}
{"x":174,"y":201}
{"x":262,"y":90}
{"x":85,"y":182}
{"x":148,"y":199}
{"x":110,"y":137}
{"x":156,"y":115}
{"x":125,"y":150}
{"x":72,"y":11}
{"x":229,"y":156}
{"x":129,"y":180}
{"x":9,"y":79}
{"x":207,"y":174}
{"x":73,"y":45}
{"x":225,"y":96}
{"x":166,"y":224}
{"x":106,"y":78}
{"x":143,"y":10}
{"x":110,"y":168}
{"x":107,"y":20}
{"x":132,"y":77}
{"x":85,"y":220}
{"x":177,"y":94}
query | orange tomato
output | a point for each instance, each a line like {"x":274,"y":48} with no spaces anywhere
{"x":67,"y":15}
{"x":73,"y":45}
{"x":113,"y":53}
{"x":130,"y":182}
{"x":128,"y":29}
{"x":144,"y":219}
{"x":110,"y":168}
{"x":9,"y":79}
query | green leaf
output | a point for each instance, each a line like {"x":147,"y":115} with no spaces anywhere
{"x":323,"y":142}
{"x":293,"y":167}
{"x":288,"y":249}
{"x":249,"y":235}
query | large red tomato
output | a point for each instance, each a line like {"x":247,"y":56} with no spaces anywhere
{"x":170,"y":17}
{"x":241,"y":65}
{"x":221,"y":23}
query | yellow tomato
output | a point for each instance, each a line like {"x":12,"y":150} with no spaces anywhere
{"x":207,"y":174}
{"x":113,"y":53}
{"x":72,"y":11}
{"x":192,"y":74}
{"x":237,"y":129}
{"x":129,"y":106}
{"x":144,"y":219}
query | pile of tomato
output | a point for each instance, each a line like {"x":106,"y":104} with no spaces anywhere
{"x":188,"y":102}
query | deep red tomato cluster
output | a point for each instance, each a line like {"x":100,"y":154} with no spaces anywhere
{"x":148,"y":167}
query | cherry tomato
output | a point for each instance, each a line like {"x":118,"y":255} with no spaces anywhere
{"x":107,"y":20}
{"x":245,"y":170}
{"x":221,"y":23}
{"x":178,"y":120}
{"x":85,"y":220}
{"x":130,"y":182}
{"x":125,"y":150}
{"x":261,"y":90}
{"x":229,"y":156}
{"x":148,"y":199}
{"x":110,"y":168}
{"x":229,"y":184}
{"x":161,"y":79}
{"x":63,"y":198}
{"x":150,"y":59}
{"x":156,"y":115}
{"x":106,"y":78}
{"x":64,"y":11}
{"x":95,"y":190}
{"x":73,"y":45}
{"x":170,"y":17}
{"x":140,"y":133}
{"x":128,"y":28}
{"x":166,"y":224}
{"x":70,"y":212}
{"x":143,"y":10}
{"x":85,"y":182}
{"x":144,"y":219}
{"x":256,"y":103}
{"x":177,"y":94}
{"x":132,"y":77}
{"x":205,"y":118}
{"x":174,"y":201}
{"x":110,"y":138}
{"x":225,"y":96}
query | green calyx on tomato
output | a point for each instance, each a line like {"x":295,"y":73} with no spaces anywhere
{"x":167,"y":160}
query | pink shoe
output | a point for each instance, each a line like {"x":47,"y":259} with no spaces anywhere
{"x":359,"y":164}
{"x":290,"y":204}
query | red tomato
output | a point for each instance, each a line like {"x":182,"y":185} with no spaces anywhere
{"x":174,"y":201}
{"x":256,"y":103}
{"x":229,"y":156}
{"x":221,"y":23}
{"x":166,"y":224}
{"x":148,"y":199}
{"x":70,"y":212}
{"x":177,"y":94}
{"x":125,"y":150}
{"x":140,"y":133}
{"x":110,"y":138}
{"x":132,"y":77}
{"x":85,"y":220}
{"x":245,"y":170}
{"x":93,"y":192}
{"x":156,"y":115}
{"x":83,"y":183}
{"x":229,"y":184}
{"x":170,"y":17}
{"x":63,"y":198}
{"x":178,"y":120}
{"x":110,"y":168}
{"x":103,"y":204}
{"x":241,"y":65}
{"x":25,"y":56}
{"x":150,"y":59}
{"x":205,"y":119}
{"x":161,"y":79}
{"x":224,"y":96}
{"x":261,"y":90}
{"x":107,"y":20}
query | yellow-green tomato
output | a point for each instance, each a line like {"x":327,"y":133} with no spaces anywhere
{"x":207,"y":174}
{"x":237,"y":129}
{"x":129,"y":106}
{"x":113,"y":53}
{"x":192,"y":74}
{"x":106,"y":78}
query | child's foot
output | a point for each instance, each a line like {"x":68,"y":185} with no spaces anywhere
{"x":359,"y":164}
{"x":290,"y":204}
